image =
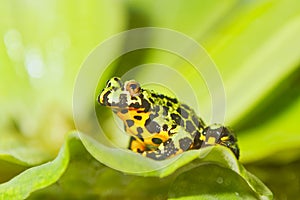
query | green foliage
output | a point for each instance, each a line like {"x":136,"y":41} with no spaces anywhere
{"x":255,"y":45}
{"x":192,"y":169}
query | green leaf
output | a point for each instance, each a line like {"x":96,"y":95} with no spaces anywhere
{"x":284,"y":45}
{"x":87,"y":178}
{"x":15,"y":149}
{"x":126,"y":161}
{"x":183,"y":19}
{"x":36,"y":177}
{"x":284,"y":128}
{"x":210,"y":182}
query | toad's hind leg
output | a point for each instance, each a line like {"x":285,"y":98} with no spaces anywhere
{"x":177,"y":143}
{"x":135,"y":145}
{"x":218,"y":134}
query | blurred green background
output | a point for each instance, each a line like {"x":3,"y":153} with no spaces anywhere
{"x":255,"y":45}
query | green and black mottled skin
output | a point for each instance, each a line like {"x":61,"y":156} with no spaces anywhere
{"x":160,"y":126}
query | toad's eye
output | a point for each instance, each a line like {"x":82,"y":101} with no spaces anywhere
{"x":133,"y":88}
